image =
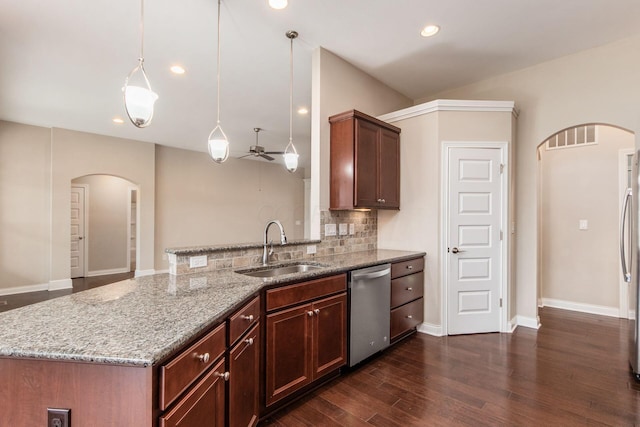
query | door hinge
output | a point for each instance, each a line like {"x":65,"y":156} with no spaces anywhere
{"x":501,"y":167}
{"x":500,"y":302}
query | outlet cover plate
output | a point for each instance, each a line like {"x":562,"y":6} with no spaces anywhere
{"x":311,"y":249}
{"x":329,"y":230}
{"x":352,"y":229}
{"x":58,"y":417}
{"x":343,"y":229}
{"x":197,"y":261}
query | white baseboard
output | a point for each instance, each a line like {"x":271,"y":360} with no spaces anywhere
{"x":56,"y":285}
{"x":430,"y":329}
{"x":24,"y":289}
{"x":512,"y":325}
{"x":109,"y":271}
{"x":581,"y":307}
{"x":527,"y":322}
{"x":140,"y":273}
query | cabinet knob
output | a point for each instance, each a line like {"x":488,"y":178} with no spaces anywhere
{"x":409,"y":267}
{"x":249,"y":341}
{"x":310,"y":313}
{"x":409,"y":317}
{"x":225,"y":375}
{"x":204,"y":358}
{"x":316,"y":311}
{"x":410,"y":289}
{"x":249,"y":317}
{"x":382,"y":201}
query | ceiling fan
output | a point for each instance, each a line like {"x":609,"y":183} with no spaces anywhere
{"x":259,"y":151}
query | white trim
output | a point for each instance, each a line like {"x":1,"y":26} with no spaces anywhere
{"x":601,"y":310}
{"x":528,"y":322}
{"x":24,"y":289}
{"x":513,"y":324}
{"x":430,"y":329}
{"x":623,"y":309}
{"x":151,"y":272}
{"x":450,"y":105}
{"x":56,"y":285}
{"x":85,"y":226}
{"x":108,"y":271}
{"x":503,"y":146}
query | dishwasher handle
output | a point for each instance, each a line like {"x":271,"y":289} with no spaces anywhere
{"x":372,"y":275}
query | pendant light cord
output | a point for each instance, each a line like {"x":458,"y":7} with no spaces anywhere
{"x":291,"y":92}
{"x":141,"y":59}
{"x":218,"y":66}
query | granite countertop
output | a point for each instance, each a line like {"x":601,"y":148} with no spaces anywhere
{"x":138,"y":322}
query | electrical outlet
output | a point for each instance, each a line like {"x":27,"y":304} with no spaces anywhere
{"x":583,"y":224}
{"x":197,"y":261}
{"x":343,"y":228}
{"x":58,"y":417}
{"x":311,"y":249}
{"x":352,"y":229}
{"x":329,"y":230}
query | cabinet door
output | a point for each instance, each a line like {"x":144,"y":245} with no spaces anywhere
{"x":288,"y":342}
{"x":244,"y":369}
{"x":202,"y":406}
{"x":389,"y":169}
{"x":329,"y":334}
{"x":366,"y":165}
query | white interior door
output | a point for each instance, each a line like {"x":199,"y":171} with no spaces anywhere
{"x":77,"y":232}
{"x":474,"y":267}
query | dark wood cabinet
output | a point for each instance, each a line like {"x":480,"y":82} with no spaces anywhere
{"x":307,"y":341}
{"x":407,"y":297}
{"x":364,"y":162}
{"x":244,"y":380}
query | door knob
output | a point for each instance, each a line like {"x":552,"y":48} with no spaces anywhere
{"x":456,"y":250}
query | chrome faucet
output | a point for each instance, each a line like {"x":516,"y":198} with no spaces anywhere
{"x":283,"y":240}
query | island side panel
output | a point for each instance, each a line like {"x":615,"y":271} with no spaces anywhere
{"x":98,"y":395}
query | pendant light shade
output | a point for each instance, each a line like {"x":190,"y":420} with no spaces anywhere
{"x":290,"y":153}
{"x":139,"y":98}
{"x":218,"y":143}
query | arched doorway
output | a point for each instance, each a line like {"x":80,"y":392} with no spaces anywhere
{"x":104,"y":226}
{"x":579,"y":189}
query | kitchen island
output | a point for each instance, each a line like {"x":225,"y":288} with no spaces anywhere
{"x":98,"y":352}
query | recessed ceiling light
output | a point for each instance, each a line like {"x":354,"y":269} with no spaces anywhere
{"x":177,"y":69}
{"x":117,"y":120}
{"x":278,"y":4}
{"x":429,"y":30}
{"x":303,"y":110}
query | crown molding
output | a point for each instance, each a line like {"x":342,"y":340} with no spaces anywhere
{"x":450,"y":105}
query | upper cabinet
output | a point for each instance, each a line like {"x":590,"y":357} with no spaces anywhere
{"x":365,"y":162}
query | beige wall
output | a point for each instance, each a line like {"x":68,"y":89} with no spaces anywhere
{"x":25,"y":170}
{"x":582,"y":266}
{"x":598,"y":85}
{"x":418,"y":224}
{"x":199,"y":202}
{"x":108,"y":201}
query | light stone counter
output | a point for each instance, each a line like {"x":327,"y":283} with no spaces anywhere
{"x":141,"y":321}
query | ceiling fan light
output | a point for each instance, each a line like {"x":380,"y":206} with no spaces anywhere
{"x":278,"y":4}
{"x":218,"y":145}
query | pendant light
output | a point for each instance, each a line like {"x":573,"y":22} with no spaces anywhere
{"x":218,"y":143}
{"x":290,"y":154}
{"x":138,"y":96}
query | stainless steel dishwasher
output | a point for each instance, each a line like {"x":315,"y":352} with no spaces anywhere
{"x":370,"y":310}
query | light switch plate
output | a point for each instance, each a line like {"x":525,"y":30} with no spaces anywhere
{"x":343,"y":229}
{"x":583,"y":224}
{"x":329,"y":230}
{"x":352,"y":229}
{"x":197,"y":261}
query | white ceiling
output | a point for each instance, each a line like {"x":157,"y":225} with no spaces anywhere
{"x":63,"y":63}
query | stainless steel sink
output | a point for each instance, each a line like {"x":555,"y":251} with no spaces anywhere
{"x":279,"y":270}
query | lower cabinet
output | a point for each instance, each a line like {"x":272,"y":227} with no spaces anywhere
{"x":407,"y":297}
{"x":244,"y":380}
{"x":306,"y":341}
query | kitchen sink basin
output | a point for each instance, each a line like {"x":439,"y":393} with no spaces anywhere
{"x":279,"y":270}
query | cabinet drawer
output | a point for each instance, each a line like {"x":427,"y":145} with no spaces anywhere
{"x":187,"y":366}
{"x":406,"y":317}
{"x":407,"y":288}
{"x":243,"y":319}
{"x":305,"y":291}
{"x":201,"y":406}
{"x":403,"y":268}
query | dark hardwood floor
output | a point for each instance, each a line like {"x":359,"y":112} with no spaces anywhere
{"x":9,"y":302}
{"x":573,"y":371}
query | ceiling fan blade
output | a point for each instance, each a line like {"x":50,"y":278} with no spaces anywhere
{"x":265,"y":156}
{"x":274,"y":152}
{"x":246,"y":155}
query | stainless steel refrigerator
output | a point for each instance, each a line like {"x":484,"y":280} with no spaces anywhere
{"x":629,"y":253}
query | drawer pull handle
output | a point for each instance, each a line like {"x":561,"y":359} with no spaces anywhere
{"x":382,"y":201}
{"x":310,"y":313}
{"x":204,"y":358}
{"x":409,"y":289}
{"x":409,"y":267}
{"x":249,"y":341}
{"x":409,"y":317}
{"x":249,"y":317}
{"x":317,"y":311}
{"x":225,"y":375}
